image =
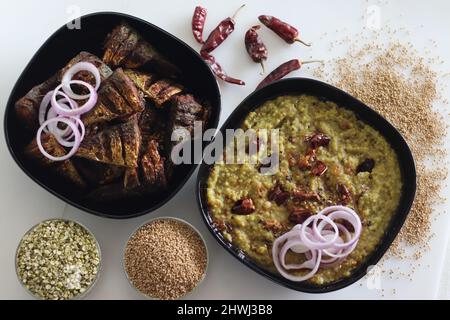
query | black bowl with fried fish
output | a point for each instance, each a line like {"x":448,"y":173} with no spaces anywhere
{"x":325,"y":93}
{"x":152,"y":84}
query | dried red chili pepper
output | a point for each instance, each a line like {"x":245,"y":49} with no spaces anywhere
{"x":305,"y":162}
{"x":344,"y":194}
{"x":319,"y":168}
{"x":218,"y":70}
{"x":284,"y":30}
{"x":301,"y":195}
{"x":220,"y":33}
{"x":299,"y":215}
{"x":244,"y":206}
{"x":198,"y":23}
{"x":283,"y":70}
{"x":318,"y":139}
{"x":255,"y":46}
{"x":278,"y":195}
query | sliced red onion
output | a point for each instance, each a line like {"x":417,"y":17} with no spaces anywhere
{"x":317,"y":254}
{"x":57,"y":92}
{"x":44,"y":106}
{"x":328,"y":261}
{"x":77,"y":138}
{"x":279,"y":257}
{"x":312,"y":241}
{"x":70,"y":140}
{"x":324,"y":244}
{"x":67,"y":79}
{"x":343,"y":213}
{"x":326,"y":258}
{"x":53,"y":128}
{"x":87,"y":106}
{"x":309,"y":264}
{"x":340,"y":253}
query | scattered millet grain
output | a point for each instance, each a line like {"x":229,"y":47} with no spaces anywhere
{"x":165,"y":259}
{"x":58,"y":260}
{"x":397,"y":82}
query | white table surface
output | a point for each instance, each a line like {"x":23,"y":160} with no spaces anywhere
{"x":25,"y":25}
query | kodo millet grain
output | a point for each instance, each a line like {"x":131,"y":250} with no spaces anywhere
{"x":165,"y":259}
{"x":395,"y":80}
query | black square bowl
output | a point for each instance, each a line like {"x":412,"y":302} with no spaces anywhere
{"x":327,"y":92}
{"x":63,"y":45}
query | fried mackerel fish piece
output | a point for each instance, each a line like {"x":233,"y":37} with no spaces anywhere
{"x":118,"y":98}
{"x":97,"y":173}
{"x":158,"y":91}
{"x":148,"y":177}
{"x":125,"y":47}
{"x":153,"y":125}
{"x":184,"y":112}
{"x":65,"y":168}
{"x":27,"y":107}
{"x":151,"y":174}
{"x":117,"y":145}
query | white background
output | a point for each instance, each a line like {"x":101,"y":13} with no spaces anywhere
{"x":25,"y":25}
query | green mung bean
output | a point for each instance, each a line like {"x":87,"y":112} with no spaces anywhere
{"x":58,"y":260}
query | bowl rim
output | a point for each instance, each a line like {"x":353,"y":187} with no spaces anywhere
{"x":214,"y":121}
{"x":390,"y":233}
{"x":187,"y":294}
{"x":88,"y":290}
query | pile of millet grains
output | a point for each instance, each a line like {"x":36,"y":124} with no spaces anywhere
{"x":165,"y":259}
{"x":395,"y":80}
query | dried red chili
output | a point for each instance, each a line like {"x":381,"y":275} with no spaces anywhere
{"x":299,"y":215}
{"x":301,"y":195}
{"x":319,"y":168}
{"x":255,"y":46}
{"x":318,"y":140}
{"x":278,"y":195}
{"x":218,"y":70}
{"x":273,"y":226}
{"x":198,"y":23}
{"x":283,"y":70}
{"x":284,"y":30}
{"x":220,"y":33}
{"x":244,"y":206}
{"x":344,"y":194}
{"x":305,"y":162}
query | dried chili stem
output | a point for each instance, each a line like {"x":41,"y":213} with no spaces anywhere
{"x":308,"y":44}
{"x":263,"y":67}
{"x":233,"y":17}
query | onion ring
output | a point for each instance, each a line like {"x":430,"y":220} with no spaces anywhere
{"x":88,"y":105}
{"x":323,"y":242}
{"x":340,"y":212}
{"x":43,"y":107}
{"x":53,"y":128}
{"x":74,"y":147}
{"x":67,"y":78}
{"x":319,"y":244}
{"x":64,"y":141}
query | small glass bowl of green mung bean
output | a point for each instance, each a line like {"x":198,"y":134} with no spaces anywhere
{"x":58,"y":259}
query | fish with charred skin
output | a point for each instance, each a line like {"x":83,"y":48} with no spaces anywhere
{"x":117,"y":145}
{"x":97,"y":173}
{"x":125,"y":47}
{"x":64,"y":168}
{"x":184,"y":112}
{"x":27,"y":107}
{"x":118,"y":99}
{"x":158,"y":91}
